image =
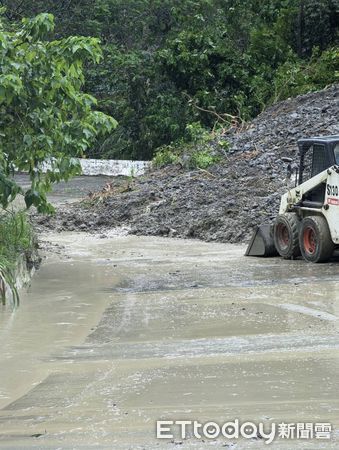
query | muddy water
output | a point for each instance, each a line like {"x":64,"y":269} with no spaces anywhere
{"x":57,"y":310}
{"x":117,"y":332}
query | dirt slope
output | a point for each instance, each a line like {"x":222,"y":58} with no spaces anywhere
{"x":224,"y":203}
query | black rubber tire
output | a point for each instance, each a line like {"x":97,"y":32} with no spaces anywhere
{"x":286,"y":235}
{"x":315,"y":240}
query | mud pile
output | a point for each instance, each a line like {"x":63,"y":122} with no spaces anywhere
{"x":227,"y":201}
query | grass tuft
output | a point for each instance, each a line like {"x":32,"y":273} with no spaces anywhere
{"x":16,"y":238}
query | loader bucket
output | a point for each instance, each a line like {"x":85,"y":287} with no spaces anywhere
{"x":262,"y":243}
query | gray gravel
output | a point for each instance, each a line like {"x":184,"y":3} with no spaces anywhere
{"x":224,"y":203}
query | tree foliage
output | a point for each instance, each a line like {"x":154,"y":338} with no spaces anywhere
{"x":44,"y":114}
{"x":168,"y":61}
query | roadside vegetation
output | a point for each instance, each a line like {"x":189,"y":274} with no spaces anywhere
{"x":16,"y":240}
{"x":198,"y":149}
{"x":168,"y":64}
{"x":45,"y":116}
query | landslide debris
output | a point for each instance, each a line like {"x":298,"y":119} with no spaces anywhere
{"x":223,"y":203}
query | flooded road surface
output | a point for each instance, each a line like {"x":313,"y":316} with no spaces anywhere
{"x":117,"y":332}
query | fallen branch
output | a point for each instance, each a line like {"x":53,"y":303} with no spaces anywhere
{"x":223,"y":117}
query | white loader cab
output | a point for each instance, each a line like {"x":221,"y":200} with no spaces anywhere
{"x":308,"y":220}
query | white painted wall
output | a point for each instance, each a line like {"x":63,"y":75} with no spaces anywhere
{"x":110,"y":167}
{"x":113,"y":167}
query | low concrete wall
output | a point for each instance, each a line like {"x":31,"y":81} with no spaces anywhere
{"x":113,"y":168}
{"x":110,"y":167}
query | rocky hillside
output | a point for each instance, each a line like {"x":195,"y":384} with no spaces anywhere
{"x":225,"y":202}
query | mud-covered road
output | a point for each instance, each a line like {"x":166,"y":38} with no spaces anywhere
{"x":117,"y":332}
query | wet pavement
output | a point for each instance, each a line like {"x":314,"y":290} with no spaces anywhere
{"x":117,"y":332}
{"x":72,"y":190}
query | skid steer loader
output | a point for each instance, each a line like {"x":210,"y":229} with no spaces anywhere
{"x":308,"y":220}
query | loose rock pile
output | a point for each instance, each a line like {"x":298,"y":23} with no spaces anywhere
{"x":227,"y":201}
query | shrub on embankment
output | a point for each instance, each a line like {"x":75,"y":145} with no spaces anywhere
{"x":16,"y":241}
